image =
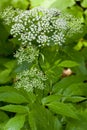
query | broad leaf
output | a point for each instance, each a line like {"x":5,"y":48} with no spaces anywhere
{"x":53,"y":3}
{"x":42,"y":119}
{"x":84,"y":3}
{"x":15,"y":108}
{"x":15,"y":123}
{"x":64,"y":109}
{"x":12,"y":97}
{"x":73,"y":10}
{"x":64,"y":3}
{"x":65,"y":82}
{"x":80,"y":124}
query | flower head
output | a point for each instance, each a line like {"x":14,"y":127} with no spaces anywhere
{"x":38,"y":26}
{"x":30,"y":79}
{"x":28,"y":54}
{"x":44,"y":27}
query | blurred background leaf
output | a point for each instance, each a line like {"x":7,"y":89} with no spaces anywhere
{"x":22,"y":4}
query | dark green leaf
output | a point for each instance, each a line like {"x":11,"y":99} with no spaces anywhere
{"x":3,"y":116}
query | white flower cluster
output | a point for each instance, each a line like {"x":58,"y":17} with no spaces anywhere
{"x":30,"y":79}
{"x":28,"y":54}
{"x":44,"y":26}
{"x":40,"y":26}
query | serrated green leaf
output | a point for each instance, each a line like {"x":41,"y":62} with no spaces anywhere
{"x":15,"y":108}
{"x":68,"y":63}
{"x":64,"y":109}
{"x":12,"y":97}
{"x":15,"y":123}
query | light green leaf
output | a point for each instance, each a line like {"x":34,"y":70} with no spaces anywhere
{"x":68,"y":63}
{"x":22,"y":4}
{"x":73,"y":10}
{"x":48,"y":3}
{"x":35,"y":3}
{"x":15,"y":123}
{"x":81,"y":43}
{"x":64,"y":109}
{"x":15,"y":108}
{"x":53,"y":3}
{"x":84,"y":3}
{"x":4,"y":76}
{"x":6,"y":72}
{"x":62,"y":4}
{"x":12,"y":97}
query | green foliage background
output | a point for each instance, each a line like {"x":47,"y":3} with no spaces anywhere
{"x":64,"y":105}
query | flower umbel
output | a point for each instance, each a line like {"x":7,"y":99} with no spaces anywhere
{"x":28,"y":54}
{"x":30,"y":79}
{"x":44,"y":27}
{"x":38,"y":26}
